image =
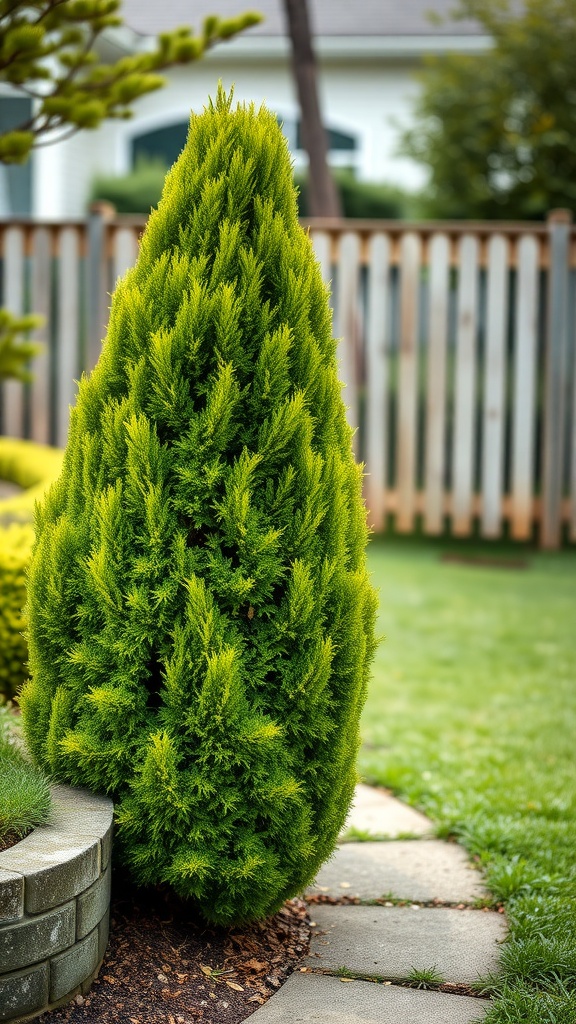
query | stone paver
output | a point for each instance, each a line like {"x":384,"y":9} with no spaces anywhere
{"x":379,"y":814}
{"x":313,"y":999}
{"x":421,"y":870}
{"x":388,"y":942}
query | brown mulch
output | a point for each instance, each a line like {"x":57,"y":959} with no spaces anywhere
{"x":10,"y":839}
{"x":165,"y":965}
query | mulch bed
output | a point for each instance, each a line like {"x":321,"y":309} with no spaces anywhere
{"x":165,"y":965}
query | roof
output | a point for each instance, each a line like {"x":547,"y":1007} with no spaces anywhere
{"x":330,"y":18}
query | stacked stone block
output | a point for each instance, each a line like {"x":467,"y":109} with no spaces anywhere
{"x":54,"y":906}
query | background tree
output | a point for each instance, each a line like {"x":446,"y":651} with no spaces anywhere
{"x":498,"y":130}
{"x":323,"y":197}
{"x":48,"y":52}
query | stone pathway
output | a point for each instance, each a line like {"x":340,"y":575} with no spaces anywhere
{"x":382,"y":944}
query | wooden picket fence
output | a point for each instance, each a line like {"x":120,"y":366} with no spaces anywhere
{"x":457,"y":354}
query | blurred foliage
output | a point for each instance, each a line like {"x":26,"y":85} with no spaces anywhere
{"x":498,"y":130}
{"x":365,"y":199}
{"x":15,"y":353}
{"x":135,"y":192}
{"x":15,"y":551}
{"x":140,"y":189}
{"x":48,"y":53}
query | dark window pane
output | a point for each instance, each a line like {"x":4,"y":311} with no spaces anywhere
{"x":16,"y":184}
{"x":163,"y":144}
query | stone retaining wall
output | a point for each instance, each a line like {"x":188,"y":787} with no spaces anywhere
{"x":54,"y":906}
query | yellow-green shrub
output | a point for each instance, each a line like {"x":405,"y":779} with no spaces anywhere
{"x":15,"y":549}
{"x":33,"y":467}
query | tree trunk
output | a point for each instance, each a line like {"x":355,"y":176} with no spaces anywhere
{"x":323,"y":198}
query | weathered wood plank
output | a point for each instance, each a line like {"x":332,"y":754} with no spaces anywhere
{"x":322,"y":248}
{"x":13,"y":300}
{"x":40,"y":303}
{"x":68,"y":333}
{"x":410,"y":265}
{"x":493,"y":416}
{"x":125,"y":248}
{"x":348,"y":321}
{"x":523,"y":398}
{"x":463,"y":453}
{"x":434,"y":440}
{"x":555,"y":380}
{"x":377,"y":354}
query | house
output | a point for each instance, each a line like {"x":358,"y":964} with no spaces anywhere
{"x":368,"y":52}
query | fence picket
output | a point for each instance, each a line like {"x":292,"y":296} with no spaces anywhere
{"x":410,"y":263}
{"x":523,"y":399}
{"x":464,"y":387}
{"x":434,"y":474}
{"x":68,"y":329}
{"x":376,"y":267}
{"x":41,"y":304}
{"x":494,"y":381}
{"x":377,"y":353}
{"x":13,"y":299}
{"x":347,"y":318}
{"x":125,"y":249}
{"x":322,"y":247}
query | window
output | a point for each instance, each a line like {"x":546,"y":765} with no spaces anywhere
{"x":15,"y":179}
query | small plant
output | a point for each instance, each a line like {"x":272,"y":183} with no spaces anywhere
{"x":425,"y":977}
{"x":201,"y":619}
{"x":24,"y":790}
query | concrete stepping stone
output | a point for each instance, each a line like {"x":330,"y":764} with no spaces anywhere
{"x":314,"y":999}
{"x":377,"y":813}
{"x":389,"y":942}
{"x":417,"y":870}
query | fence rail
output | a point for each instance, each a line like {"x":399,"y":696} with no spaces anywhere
{"x":457,"y":354}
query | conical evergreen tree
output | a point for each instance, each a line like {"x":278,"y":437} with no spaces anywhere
{"x":201,"y":619}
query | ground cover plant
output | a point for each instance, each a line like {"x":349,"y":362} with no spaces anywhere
{"x":471,"y":715}
{"x":24,"y":790}
{"x":201,"y":620}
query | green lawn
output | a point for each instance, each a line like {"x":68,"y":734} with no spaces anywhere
{"x":471,"y":716}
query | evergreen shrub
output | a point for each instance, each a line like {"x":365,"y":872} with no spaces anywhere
{"x":201,"y":619}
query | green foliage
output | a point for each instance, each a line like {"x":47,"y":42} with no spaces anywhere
{"x":15,"y":353}
{"x":498,"y":130}
{"x":31,"y":466}
{"x":135,"y":192}
{"x":201,"y":619}
{"x":425,"y":977}
{"x":25,"y":800}
{"x":140,"y":189}
{"x":364,"y":199}
{"x":15,"y":550}
{"x":47,"y":51}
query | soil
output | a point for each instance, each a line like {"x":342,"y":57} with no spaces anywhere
{"x":10,"y":839}
{"x":165,"y":965}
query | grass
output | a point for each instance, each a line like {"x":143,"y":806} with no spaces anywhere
{"x":471,"y":716}
{"x":24,"y":791}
